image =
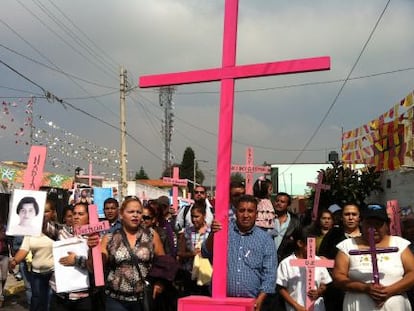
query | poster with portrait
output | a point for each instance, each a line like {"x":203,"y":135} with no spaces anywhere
{"x":99,"y":197}
{"x":26,"y":212}
{"x":70,"y":278}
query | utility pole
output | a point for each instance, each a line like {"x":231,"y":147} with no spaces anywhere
{"x":165,"y":99}
{"x":123,"y":154}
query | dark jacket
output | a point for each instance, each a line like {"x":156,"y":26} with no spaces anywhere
{"x":288,"y":245}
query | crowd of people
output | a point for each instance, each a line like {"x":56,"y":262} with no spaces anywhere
{"x":154,"y":254}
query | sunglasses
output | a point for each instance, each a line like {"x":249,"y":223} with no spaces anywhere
{"x":199,"y":192}
{"x":146,"y":217}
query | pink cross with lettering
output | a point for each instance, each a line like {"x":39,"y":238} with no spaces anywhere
{"x":175,"y":181}
{"x":95,"y":226}
{"x":90,"y":176}
{"x":249,"y":169}
{"x":310,"y":263}
{"x":35,"y":164}
{"x":227,"y":74}
{"x":373,"y":251}
{"x":318,"y":187}
{"x":393,"y":211}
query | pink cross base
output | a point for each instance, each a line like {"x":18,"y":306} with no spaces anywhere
{"x":249,"y":169}
{"x":227,"y":75}
{"x":311,"y":263}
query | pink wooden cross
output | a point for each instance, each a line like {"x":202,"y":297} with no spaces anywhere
{"x":175,"y":181}
{"x":318,"y":187}
{"x":227,"y":74}
{"x":310,"y":263}
{"x":249,"y":169}
{"x":35,"y":164}
{"x":373,"y":251}
{"x":90,"y":176}
{"x":393,"y":211}
{"x":95,"y":226}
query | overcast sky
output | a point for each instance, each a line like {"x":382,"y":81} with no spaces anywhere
{"x":74,"y":50}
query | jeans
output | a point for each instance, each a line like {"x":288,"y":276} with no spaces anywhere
{"x":41,"y":291}
{"x":116,"y":305}
{"x":26,"y":275}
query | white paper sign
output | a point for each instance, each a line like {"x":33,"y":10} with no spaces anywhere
{"x":70,"y":278}
{"x":26,"y":212}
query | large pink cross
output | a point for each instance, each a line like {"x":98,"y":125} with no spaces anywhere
{"x":227,"y":74}
{"x":95,"y":226}
{"x":393,"y":211}
{"x":249,"y":169}
{"x":175,"y":181}
{"x":310,"y":263}
{"x":318,"y":187}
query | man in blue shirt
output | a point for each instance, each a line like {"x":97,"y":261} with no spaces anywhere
{"x":111,"y":211}
{"x":251,"y":256}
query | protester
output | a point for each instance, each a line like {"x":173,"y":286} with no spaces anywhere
{"x":237,"y":189}
{"x":321,"y":227}
{"x":42,"y":266}
{"x":354,"y":273}
{"x":81,"y":300}
{"x":291,"y":280}
{"x":285,"y":224}
{"x":349,"y":227}
{"x":189,"y":247}
{"x":4,"y":258}
{"x":127,"y":254}
{"x":184,"y":216}
{"x":111,"y":211}
{"x":67,"y":218}
{"x":255,"y":274}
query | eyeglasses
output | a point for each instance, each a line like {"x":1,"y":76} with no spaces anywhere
{"x":199,"y":192}
{"x":146,"y":217}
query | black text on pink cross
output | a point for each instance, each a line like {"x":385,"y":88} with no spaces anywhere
{"x":310,"y":263}
{"x":227,"y":74}
{"x":249,"y":169}
{"x":175,"y":181}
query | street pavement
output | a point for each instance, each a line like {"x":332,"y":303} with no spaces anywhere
{"x":15,"y":297}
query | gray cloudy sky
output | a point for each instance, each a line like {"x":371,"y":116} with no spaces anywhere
{"x":74,"y":50}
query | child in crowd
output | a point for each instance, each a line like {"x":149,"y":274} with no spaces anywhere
{"x":291,"y":280}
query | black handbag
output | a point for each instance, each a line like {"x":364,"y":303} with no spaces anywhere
{"x":147,"y":300}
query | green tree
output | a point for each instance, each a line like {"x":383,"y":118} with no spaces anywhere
{"x":141,"y":174}
{"x":187,"y":168}
{"x":347,"y":185}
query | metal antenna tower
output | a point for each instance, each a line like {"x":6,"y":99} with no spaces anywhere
{"x":165,"y":98}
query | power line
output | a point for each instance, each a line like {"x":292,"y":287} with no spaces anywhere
{"x":57,"y":70}
{"x":302,"y":84}
{"x":51,"y":97}
{"x":342,"y":86}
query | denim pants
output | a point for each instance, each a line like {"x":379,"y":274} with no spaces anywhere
{"x":116,"y":305}
{"x":41,"y":291}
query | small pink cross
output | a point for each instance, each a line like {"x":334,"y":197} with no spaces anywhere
{"x":175,"y":181}
{"x":249,"y":169}
{"x":311,"y":263}
{"x":90,"y":176}
{"x":95,"y":226}
{"x":227,"y":74}
{"x":318,"y":187}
